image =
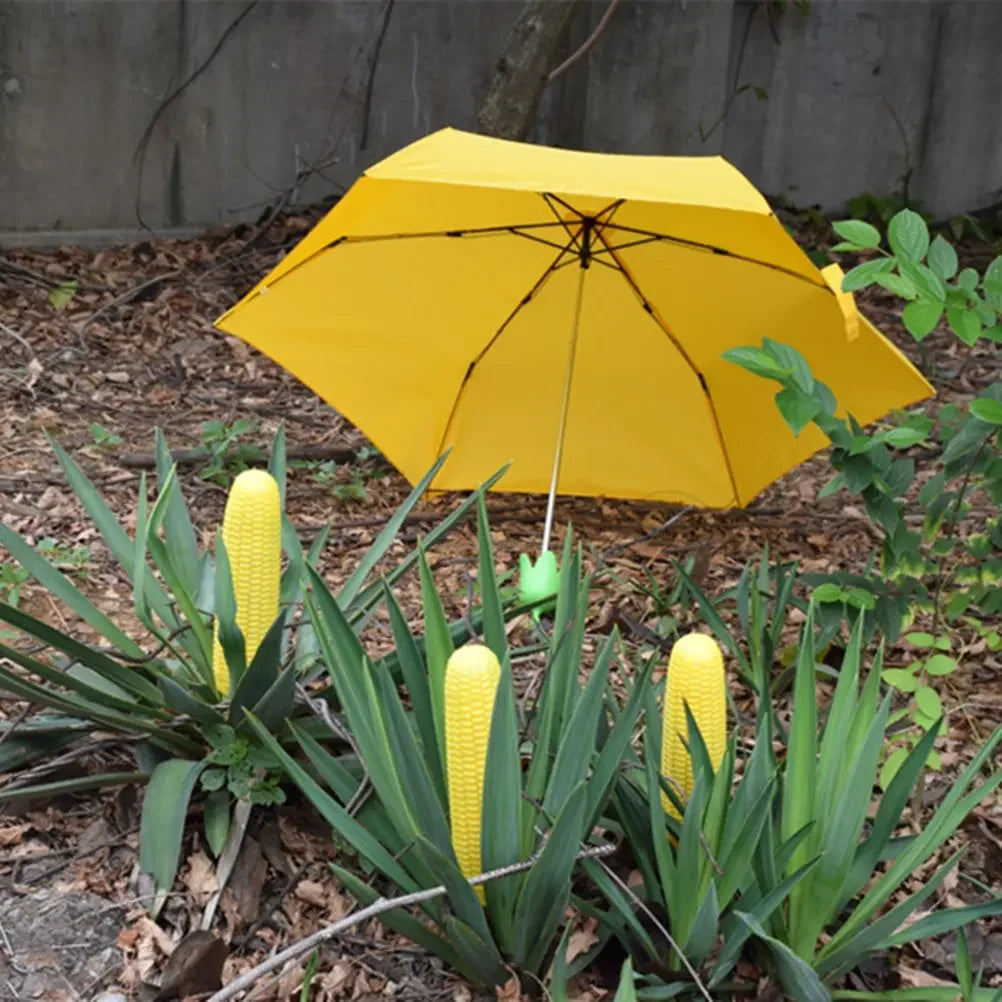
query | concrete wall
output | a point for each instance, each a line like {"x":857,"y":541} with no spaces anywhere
{"x":847,"y":98}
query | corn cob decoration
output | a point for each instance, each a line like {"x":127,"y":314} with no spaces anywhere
{"x":471,"y":682}
{"x":252,"y":536}
{"x":695,"y":676}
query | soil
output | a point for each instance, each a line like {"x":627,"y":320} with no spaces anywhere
{"x":130,"y":348}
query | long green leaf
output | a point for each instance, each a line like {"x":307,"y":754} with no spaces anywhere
{"x":182,"y":544}
{"x":799,"y":790}
{"x":502,"y":807}
{"x":405,"y":924}
{"x":261,"y":674}
{"x":438,"y":649}
{"x":97,"y":781}
{"x":129,"y":679}
{"x":161,"y":827}
{"x":121,"y":546}
{"x":385,"y":539}
{"x":576,"y":747}
{"x":60,"y":586}
{"x":416,"y":678}
{"x":798,"y":979}
{"x":362,"y":601}
{"x":336,"y":816}
{"x":494,"y":632}
{"x":547,"y":886}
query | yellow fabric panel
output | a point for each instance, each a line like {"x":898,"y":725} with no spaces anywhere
{"x":451,"y":156}
{"x":396,"y":324}
{"x":638,"y":424}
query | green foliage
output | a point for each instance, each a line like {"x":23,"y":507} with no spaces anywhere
{"x":161,"y":692}
{"x":934,"y":568}
{"x":103,"y":438}
{"x":797,"y":862}
{"x":544,"y":813}
{"x":228,"y":455}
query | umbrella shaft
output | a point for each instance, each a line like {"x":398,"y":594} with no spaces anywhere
{"x":564,"y":406}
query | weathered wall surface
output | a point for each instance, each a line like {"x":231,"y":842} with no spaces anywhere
{"x":819,"y":107}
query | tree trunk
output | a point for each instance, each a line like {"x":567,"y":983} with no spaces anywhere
{"x":509,"y":110}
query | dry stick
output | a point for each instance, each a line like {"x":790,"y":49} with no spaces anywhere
{"x":588,"y":44}
{"x":661,"y":929}
{"x":125,"y":297}
{"x":249,"y":978}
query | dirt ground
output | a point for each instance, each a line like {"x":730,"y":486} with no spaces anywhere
{"x":131,"y":348}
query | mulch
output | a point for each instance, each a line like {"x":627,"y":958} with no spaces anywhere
{"x":133,"y":349}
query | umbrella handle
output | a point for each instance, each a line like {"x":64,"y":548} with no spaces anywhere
{"x":564,"y":406}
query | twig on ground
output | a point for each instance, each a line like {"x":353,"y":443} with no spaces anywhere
{"x":10,"y":332}
{"x":250,"y":978}
{"x":123,"y":298}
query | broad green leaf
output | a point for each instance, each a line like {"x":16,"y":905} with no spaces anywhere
{"x":161,"y":828}
{"x":987,"y":410}
{"x":940,"y":664}
{"x":921,"y":317}
{"x":904,"y":437}
{"x":928,"y":701}
{"x":866,"y":273}
{"x":797,"y":407}
{"x":942,"y":258}
{"x":897,"y":284}
{"x":908,"y":235}
{"x":965,"y":323}
{"x":756,"y":361}
{"x":858,"y":233}
{"x":900,"y":678}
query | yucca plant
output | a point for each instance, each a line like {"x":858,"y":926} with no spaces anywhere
{"x":798,"y":863}
{"x":220,"y":640}
{"x":537,"y":795}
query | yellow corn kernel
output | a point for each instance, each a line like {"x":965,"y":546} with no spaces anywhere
{"x":471,"y":682}
{"x":252,"y":531}
{"x":695,"y":676}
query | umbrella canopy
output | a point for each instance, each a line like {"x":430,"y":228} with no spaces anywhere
{"x":512,"y":302}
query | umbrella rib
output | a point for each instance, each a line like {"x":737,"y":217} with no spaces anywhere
{"x":524,"y":301}
{"x":714,"y":249}
{"x":648,"y":308}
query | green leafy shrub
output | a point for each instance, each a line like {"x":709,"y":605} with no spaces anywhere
{"x":797,"y":863}
{"x":388,"y":799}
{"x":162,"y":693}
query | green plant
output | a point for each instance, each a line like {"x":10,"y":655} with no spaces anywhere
{"x":949,"y":568}
{"x":543,"y":812}
{"x":163,"y":696}
{"x":924,"y":709}
{"x":227,"y":454}
{"x":12,"y":579}
{"x":799,"y":864}
{"x":103,"y":438}
{"x":74,"y":559}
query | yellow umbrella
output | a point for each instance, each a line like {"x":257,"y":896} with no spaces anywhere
{"x":567,"y":312}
